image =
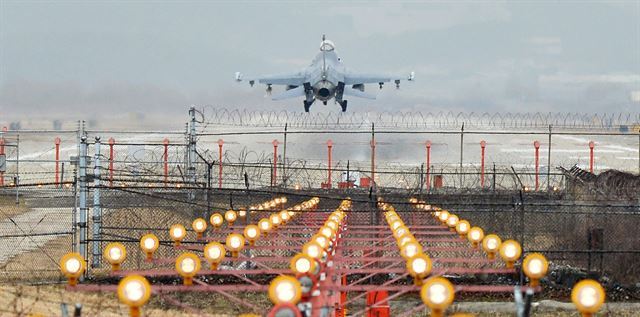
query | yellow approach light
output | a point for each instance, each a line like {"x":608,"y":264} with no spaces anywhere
{"x":72,"y":266}
{"x":134,"y":291}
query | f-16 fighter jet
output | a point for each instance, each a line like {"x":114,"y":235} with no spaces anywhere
{"x":325,"y":78}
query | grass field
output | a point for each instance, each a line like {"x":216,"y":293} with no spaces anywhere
{"x":24,"y":300}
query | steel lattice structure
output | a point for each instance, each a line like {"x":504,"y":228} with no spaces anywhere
{"x":364,"y":259}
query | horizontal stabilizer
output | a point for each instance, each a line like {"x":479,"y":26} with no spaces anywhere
{"x":357,"y":93}
{"x":291,"y":93}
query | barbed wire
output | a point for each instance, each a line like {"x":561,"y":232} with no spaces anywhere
{"x":356,"y":120}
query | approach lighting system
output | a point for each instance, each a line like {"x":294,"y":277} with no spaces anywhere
{"x":216,"y":220}
{"x":419,"y":266}
{"x":475,"y":236}
{"x":321,"y":240}
{"x":275,"y":220}
{"x":214,"y":252}
{"x":302,"y":263}
{"x":491,"y":245}
{"x":230,"y":216}
{"x":405,"y":239}
{"x":235,"y":243}
{"x":444,"y":215}
{"x":265,"y":226}
{"x":452,"y":221}
{"x":285,"y":289}
{"x":177,"y":233}
{"x":115,"y":253}
{"x":284,"y":216}
{"x":313,"y":250}
{"x":134,"y":291}
{"x":251,"y":233}
{"x":462,"y":228}
{"x":510,"y":252}
{"x":149,"y":244}
{"x":588,"y":296}
{"x":535,"y":267}
{"x":199,"y":226}
{"x":332,"y":224}
{"x":188,"y":265}
{"x":328,"y":232}
{"x":410,"y":249}
{"x":72,"y":266}
{"x":437,"y":293}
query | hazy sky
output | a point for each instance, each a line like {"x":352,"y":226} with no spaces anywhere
{"x":95,"y":57}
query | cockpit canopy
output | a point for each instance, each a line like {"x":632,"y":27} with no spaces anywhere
{"x":327,"y":46}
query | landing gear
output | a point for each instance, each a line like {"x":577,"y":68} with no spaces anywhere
{"x":343,"y":105}
{"x":324,"y":102}
{"x":308,"y":92}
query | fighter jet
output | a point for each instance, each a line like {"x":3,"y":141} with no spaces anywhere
{"x":325,"y":78}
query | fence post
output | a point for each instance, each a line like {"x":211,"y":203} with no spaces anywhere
{"x":192,"y":153}
{"x":461,"y":154}
{"x":536,"y":145}
{"x":165,"y":158}
{"x":112,"y":142}
{"x":220,"y":144}
{"x":483,"y":144}
{"x":2,"y":142}
{"x":329,"y":147}
{"x":549,"y":161}
{"x":274,"y":177}
{"x":420,"y":180}
{"x":373,"y":154}
{"x":17,"y":177}
{"x":493,"y":181}
{"x":284,"y":157}
{"x":591,"y":146}
{"x":428,"y":178}
{"x":82,"y":184}
{"x":57,"y":143}
{"x":97,"y":210}
{"x":2,"y":153}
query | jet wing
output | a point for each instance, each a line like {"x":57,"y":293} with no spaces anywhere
{"x":292,"y":79}
{"x":362,"y":78}
{"x":351,"y":78}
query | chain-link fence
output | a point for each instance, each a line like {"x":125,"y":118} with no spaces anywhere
{"x":129,"y":183}
{"x":36,"y":230}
